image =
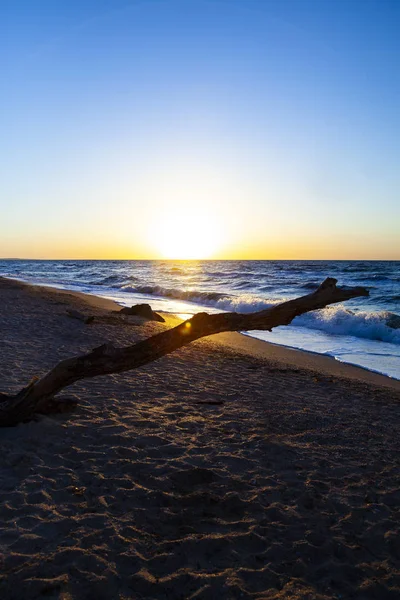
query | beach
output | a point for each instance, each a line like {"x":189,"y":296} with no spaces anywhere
{"x":232,"y":468}
{"x":364,"y":331}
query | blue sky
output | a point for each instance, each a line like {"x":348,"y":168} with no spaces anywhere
{"x":275,"y":122}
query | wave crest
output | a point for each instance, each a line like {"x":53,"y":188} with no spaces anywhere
{"x":341,"y":321}
{"x":189,"y":295}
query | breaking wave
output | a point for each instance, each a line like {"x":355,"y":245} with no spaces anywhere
{"x":189,"y":295}
{"x":341,"y":321}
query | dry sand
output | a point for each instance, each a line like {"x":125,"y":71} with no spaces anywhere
{"x":286,"y":486}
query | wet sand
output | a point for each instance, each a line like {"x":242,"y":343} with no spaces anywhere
{"x":230,"y":469}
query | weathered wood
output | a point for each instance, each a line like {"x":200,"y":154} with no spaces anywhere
{"x":107,"y":359}
{"x":75,"y":314}
{"x":142,"y":310}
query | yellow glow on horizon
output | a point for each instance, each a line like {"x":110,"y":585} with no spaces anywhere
{"x":186,"y":237}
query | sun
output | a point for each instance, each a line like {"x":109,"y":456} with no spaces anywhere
{"x":186,"y":237}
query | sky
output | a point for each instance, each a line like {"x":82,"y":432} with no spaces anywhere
{"x":259,"y":129}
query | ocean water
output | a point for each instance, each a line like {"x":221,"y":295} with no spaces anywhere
{"x":363,"y":331}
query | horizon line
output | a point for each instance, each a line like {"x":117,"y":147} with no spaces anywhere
{"x":206,"y":259}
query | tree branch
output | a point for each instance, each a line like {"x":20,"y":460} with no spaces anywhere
{"x":108,"y":359}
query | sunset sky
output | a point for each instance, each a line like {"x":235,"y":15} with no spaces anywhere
{"x":200,"y":128}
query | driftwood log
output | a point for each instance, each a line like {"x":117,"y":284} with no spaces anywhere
{"x":75,"y":314}
{"x":108,"y":359}
{"x":142,"y":310}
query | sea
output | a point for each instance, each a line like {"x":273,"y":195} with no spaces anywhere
{"x":362,"y":331}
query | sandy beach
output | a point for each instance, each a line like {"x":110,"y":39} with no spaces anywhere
{"x":230,"y":469}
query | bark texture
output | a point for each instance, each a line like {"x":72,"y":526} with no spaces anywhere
{"x":108,"y":359}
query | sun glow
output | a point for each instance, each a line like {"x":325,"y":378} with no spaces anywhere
{"x":186,"y":237}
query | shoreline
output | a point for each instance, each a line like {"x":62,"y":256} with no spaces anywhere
{"x":247,"y":344}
